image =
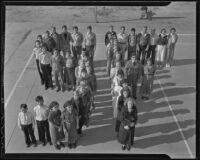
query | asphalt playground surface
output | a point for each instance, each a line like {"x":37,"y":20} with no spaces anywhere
{"x":166,"y":124}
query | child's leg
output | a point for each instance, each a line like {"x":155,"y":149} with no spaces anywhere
{"x":31,"y":133}
{"x":26,"y":134}
{"x":47,"y":132}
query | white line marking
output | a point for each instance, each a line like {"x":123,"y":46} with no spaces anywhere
{"x":175,"y":119}
{"x":18,"y":80}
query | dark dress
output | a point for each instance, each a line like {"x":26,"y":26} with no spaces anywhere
{"x":127,"y":136}
{"x":70,"y":124}
{"x":78,"y":105}
{"x":55,"y":122}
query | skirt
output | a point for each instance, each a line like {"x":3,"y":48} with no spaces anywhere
{"x":161,"y":53}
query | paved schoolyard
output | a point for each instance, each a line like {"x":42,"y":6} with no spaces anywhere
{"x":166,"y":122}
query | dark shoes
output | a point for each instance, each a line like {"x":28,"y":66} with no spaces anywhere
{"x":123,"y":147}
{"x":62,"y":144}
{"x":128,"y":147}
{"x":46,"y":88}
{"x":35,"y":145}
{"x":58,"y":89}
{"x":57,"y":147}
{"x":70,"y":146}
{"x":44,"y":143}
{"x":28,"y":145}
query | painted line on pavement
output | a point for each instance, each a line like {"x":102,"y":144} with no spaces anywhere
{"x":175,"y":119}
{"x":18,"y":80}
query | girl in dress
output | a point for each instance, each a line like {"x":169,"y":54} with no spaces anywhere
{"x":161,"y":48}
{"x":128,"y":121}
{"x":172,"y":40}
{"x":70,"y":124}
{"x":147,"y":80}
{"x":56,"y":127}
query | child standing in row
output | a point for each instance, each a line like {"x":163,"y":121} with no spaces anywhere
{"x":56,"y":128}
{"x":26,"y":123}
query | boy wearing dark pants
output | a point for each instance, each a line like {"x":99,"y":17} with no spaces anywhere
{"x":143,"y":44}
{"x":132,"y":43}
{"x":57,"y":67}
{"x":41,"y":115}
{"x":26,"y":123}
{"x":69,"y":71}
{"x":77,"y":40}
{"x":45,"y":65}
{"x":152,"y":46}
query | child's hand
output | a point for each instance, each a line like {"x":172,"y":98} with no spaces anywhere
{"x":126,"y":127}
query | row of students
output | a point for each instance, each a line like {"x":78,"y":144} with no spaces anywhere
{"x":159,"y":48}
{"x":67,"y":46}
{"x":124,"y":89}
{"x":55,"y":127}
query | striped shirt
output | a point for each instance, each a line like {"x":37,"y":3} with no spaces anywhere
{"x":25,"y":119}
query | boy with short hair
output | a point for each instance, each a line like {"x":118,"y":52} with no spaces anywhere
{"x":26,"y":123}
{"x":58,"y":64}
{"x":41,"y":115}
{"x":69,"y":71}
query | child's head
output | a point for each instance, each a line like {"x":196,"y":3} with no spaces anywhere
{"x":172,"y":30}
{"x":82,"y":84}
{"x":37,"y":43}
{"x":120,"y":74}
{"x":133,"y":59}
{"x":124,"y":83}
{"x":153,"y":31}
{"x":39,"y":100}
{"x":24,"y":108}
{"x":133,"y":31}
{"x":39,"y":38}
{"x":122,"y":29}
{"x":89,"y":29}
{"x":83,"y":53}
{"x":75,"y":29}
{"x":118,"y":64}
{"x":46,"y":34}
{"x":64,"y":28}
{"x":163,"y":31}
{"x":144,"y":30}
{"x":125,"y":92}
{"x":55,"y":36}
{"x":83,"y":72}
{"x":53,"y":29}
{"x":56,"y":52}
{"x":54,"y":105}
{"x":68,"y":106}
{"x":130,"y":103}
{"x":111,"y":28}
{"x":118,"y":56}
{"x":87,"y":63}
{"x":44,"y":48}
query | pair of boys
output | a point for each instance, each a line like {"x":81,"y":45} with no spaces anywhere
{"x":26,"y":122}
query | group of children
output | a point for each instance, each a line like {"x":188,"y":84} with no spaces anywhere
{"x":64,"y":56}
{"x":55,"y":127}
{"x":69,"y":57}
{"x":145,"y":53}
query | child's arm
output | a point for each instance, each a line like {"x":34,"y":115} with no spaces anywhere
{"x":33,"y":120}
{"x":19,"y":122}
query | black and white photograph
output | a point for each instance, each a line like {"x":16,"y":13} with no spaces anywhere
{"x":100,"y":79}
